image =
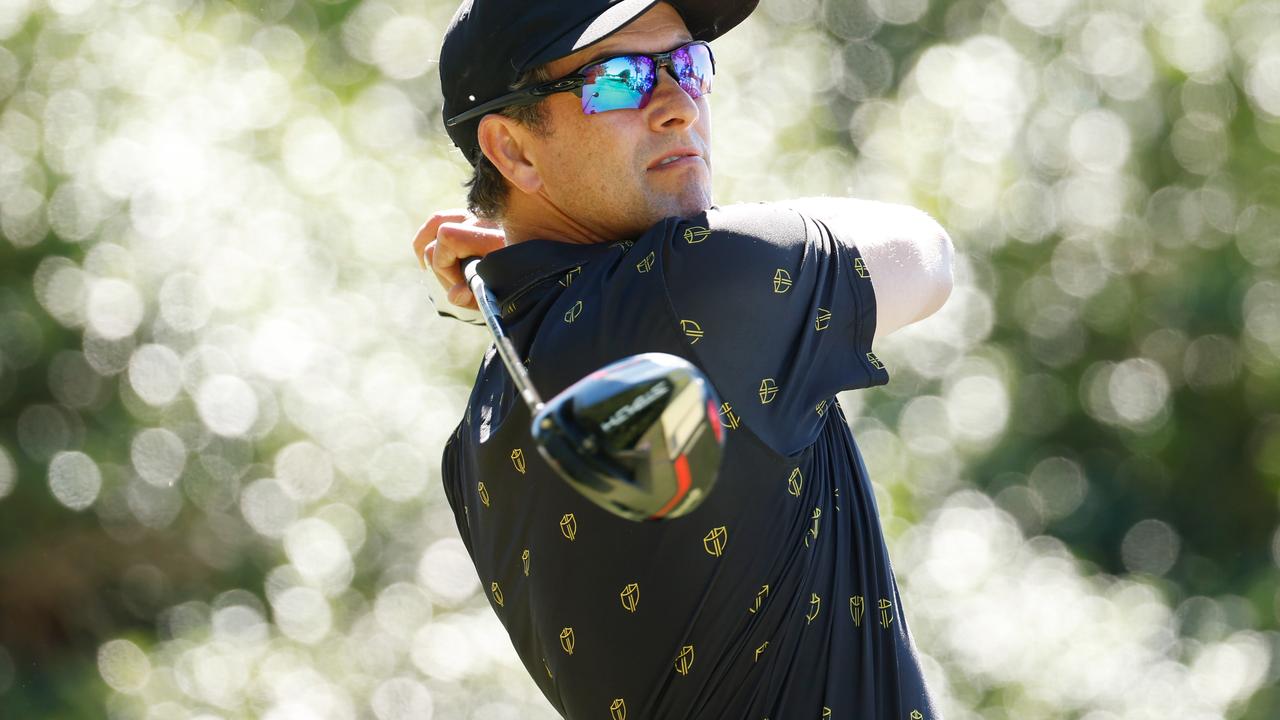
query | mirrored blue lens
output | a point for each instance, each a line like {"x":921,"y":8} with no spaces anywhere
{"x":619,"y":83}
{"x":626,"y":83}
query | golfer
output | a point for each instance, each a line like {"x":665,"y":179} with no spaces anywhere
{"x":589,"y":127}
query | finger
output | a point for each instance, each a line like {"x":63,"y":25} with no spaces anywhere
{"x":461,"y":296}
{"x":428,"y":231}
{"x":456,"y":242}
{"x":463,"y":240}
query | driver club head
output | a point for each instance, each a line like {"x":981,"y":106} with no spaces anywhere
{"x":640,"y":437}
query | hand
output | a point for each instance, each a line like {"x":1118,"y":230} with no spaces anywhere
{"x":448,"y":237}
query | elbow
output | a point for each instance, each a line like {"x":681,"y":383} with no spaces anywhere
{"x":941,"y":261}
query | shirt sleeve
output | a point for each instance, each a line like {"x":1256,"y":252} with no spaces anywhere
{"x":778,"y":310}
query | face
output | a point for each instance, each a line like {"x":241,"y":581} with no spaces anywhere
{"x":602,"y":172}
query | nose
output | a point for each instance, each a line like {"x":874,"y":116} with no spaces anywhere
{"x":670,"y":106}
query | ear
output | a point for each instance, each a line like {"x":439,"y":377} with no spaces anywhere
{"x":506,"y":143}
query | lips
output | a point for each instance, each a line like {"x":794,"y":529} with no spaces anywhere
{"x":673,"y":157}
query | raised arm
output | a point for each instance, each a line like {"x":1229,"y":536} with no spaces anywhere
{"x":908,"y":254}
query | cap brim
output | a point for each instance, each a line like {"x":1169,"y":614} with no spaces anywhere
{"x":706,"y":20}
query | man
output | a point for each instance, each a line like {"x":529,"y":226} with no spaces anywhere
{"x":775,"y":598}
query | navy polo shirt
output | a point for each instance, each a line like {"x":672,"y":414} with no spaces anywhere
{"x":775,"y":598}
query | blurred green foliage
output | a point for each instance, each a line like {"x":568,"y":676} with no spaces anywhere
{"x":222,"y":395}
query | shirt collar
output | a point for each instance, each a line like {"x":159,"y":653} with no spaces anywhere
{"x":511,"y":271}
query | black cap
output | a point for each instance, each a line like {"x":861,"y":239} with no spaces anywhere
{"x":491,"y":43}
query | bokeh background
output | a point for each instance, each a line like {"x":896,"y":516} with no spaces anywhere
{"x":223,"y":394}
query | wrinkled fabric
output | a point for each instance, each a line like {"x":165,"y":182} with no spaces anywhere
{"x":774,"y":599}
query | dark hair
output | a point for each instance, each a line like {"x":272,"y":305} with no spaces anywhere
{"x":487,"y":189}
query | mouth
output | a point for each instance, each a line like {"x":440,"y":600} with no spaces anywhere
{"x":676,"y":158}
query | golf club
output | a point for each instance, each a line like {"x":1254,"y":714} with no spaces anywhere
{"x":640,"y":437}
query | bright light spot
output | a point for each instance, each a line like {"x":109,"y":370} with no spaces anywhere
{"x":1150,"y":546}
{"x":397,"y":46}
{"x":303,"y":614}
{"x":1263,"y":80}
{"x":313,"y":149}
{"x":402,"y":699}
{"x":184,"y":304}
{"x":1099,"y":141}
{"x":227,"y":405}
{"x":317,"y":551}
{"x":1139,"y":391}
{"x":124,"y":666}
{"x":154,"y":507}
{"x":155,"y":373}
{"x":239,"y":624}
{"x":445,"y":570}
{"x":444,"y":652}
{"x":924,"y":425}
{"x":902,"y":12}
{"x":115,"y":308}
{"x":8,"y":473}
{"x":1043,"y":16}
{"x":398,"y":471}
{"x":74,"y":479}
{"x":978,"y":408}
{"x":401,"y":607}
{"x":304,"y":470}
{"x":158,"y":455}
{"x":1060,"y":484}
{"x":268,"y":508}
{"x":281,"y":350}
{"x":62,"y":289}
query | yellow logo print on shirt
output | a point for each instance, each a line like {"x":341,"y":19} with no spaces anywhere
{"x":823,"y":320}
{"x":860,"y":266}
{"x":917,"y":715}
{"x":618,"y":709}
{"x":569,"y":526}
{"x":646,"y":264}
{"x":795,"y":482}
{"x":815,"y":606}
{"x":875,"y":361}
{"x":760,"y":596}
{"x":684,"y":662}
{"x":727,"y":418}
{"x":695,"y":235}
{"x":760,"y":651}
{"x":768,"y":390}
{"x":886,"y":613}
{"x":497,"y":592}
{"x":524,"y":560}
{"x":826,"y":712}
{"x":567,"y":640}
{"x":484,"y":493}
{"x":567,"y":280}
{"x":509,"y":308}
{"x":856,"y":609}
{"x":692,"y":329}
{"x":517,"y":459}
{"x":573,"y":313}
{"x":781,"y":281}
{"x":630,"y":597}
{"x":715,"y":541}
{"x":821,"y":408}
{"x":813,"y":531}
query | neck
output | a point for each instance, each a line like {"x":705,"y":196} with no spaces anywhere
{"x":534,"y":218}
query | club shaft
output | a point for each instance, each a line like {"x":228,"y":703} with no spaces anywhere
{"x":489,"y":311}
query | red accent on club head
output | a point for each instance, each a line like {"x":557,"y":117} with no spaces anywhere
{"x":684,"y":480}
{"x":714,"y":416}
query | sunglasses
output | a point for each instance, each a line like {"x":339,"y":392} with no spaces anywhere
{"x":625,"y":82}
